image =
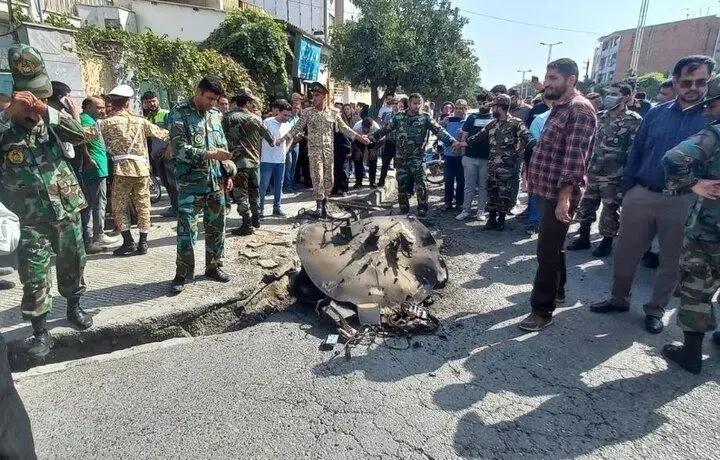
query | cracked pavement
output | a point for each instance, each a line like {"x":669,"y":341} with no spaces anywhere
{"x":589,"y":386}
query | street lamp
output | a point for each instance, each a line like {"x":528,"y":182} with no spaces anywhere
{"x":550,"y":47}
{"x":522,"y":85}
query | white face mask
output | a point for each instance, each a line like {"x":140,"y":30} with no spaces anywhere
{"x":611,"y":101}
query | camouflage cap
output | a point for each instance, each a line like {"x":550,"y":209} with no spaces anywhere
{"x":245,"y":94}
{"x":318,"y":87}
{"x":502,"y":100}
{"x":713,"y":92}
{"x":28,"y":70}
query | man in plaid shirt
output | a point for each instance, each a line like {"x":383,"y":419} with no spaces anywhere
{"x":557,"y":177}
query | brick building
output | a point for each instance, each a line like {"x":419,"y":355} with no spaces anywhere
{"x":662,"y":46}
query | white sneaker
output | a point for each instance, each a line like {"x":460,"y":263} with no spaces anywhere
{"x":481,"y":217}
{"x":105,"y":240}
{"x":463,"y":215}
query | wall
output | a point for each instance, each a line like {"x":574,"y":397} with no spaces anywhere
{"x":176,"y":21}
{"x":98,"y":15}
{"x":308,"y":15}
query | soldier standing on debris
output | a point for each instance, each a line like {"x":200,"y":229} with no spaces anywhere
{"x":617,"y":127}
{"x":198,"y":143}
{"x":321,"y":122}
{"x":125,"y":138}
{"x":507,"y":136}
{"x":694,"y":166}
{"x":39,"y":186}
{"x":411,"y":128}
{"x":245,"y":132}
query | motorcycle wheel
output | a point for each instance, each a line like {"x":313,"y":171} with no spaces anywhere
{"x":155,"y":190}
{"x":435,"y":174}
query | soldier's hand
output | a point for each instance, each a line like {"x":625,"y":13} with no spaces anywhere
{"x":278,"y":142}
{"x":229,"y":184}
{"x":22,"y":101}
{"x":708,"y":188}
{"x":457,"y":145}
{"x":218,"y":154}
{"x":364,"y":139}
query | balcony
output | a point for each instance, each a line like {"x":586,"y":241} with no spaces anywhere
{"x":68,"y":6}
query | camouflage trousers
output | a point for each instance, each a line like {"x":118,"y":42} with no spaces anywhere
{"x":127,"y":190}
{"x":601,"y":190}
{"x":700,"y":280}
{"x":411,"y":169}
{"x":321,"y":172}
{"x":246,"y":191}
{"x":37,"y":243}
{"x":213,"y":208}
{"x":500,"y":188}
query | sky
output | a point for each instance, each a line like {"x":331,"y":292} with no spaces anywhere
{"x":503,"y":47}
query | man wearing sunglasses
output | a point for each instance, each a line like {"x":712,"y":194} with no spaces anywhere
{"x":647,"y":211}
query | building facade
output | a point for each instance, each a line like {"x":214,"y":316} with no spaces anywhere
{"x":661,"y":47}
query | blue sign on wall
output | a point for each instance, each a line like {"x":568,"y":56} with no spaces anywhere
{"x":308,"y":54}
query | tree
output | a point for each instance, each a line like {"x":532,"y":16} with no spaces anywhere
{"x":415,"y":45}
{"x":258,"y":42}
{"x":649,"y":83}
{"x":171,"y":63}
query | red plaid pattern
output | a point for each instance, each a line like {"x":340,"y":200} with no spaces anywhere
{"x":562,"y":155}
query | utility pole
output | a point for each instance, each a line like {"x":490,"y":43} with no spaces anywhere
{"x":550,"y":47}
{"x":522,"y":85}
{"x":587,"y":69}
{"x":637,"y":44}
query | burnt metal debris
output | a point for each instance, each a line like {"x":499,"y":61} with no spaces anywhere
{"x":380,"y":268}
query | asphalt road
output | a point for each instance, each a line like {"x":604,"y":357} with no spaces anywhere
{"x":590,"y":385}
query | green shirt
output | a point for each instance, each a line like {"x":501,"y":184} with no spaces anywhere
{"x":96,"y":148}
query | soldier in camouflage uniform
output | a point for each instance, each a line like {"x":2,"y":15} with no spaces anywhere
{"x":39,"y":186}
{"x":508,"y":136}
{"x":199,"y":146}
{"x":617,"y":127}
{"x":245,"y":132}
{"x":322,"y":122}
{"x":411,"y":128}
{"x":694,"y":166}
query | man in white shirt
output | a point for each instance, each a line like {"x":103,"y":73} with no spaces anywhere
{"x":272,"y":159}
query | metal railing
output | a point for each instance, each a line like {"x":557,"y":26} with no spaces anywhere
{"x":68,"y":6}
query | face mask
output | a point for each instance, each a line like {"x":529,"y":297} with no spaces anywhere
{"x":610,"y":102}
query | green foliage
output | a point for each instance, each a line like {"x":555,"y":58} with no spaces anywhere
{"x":20,"y":16}
{"x":258,"y":42}
{"x":415,"y":45}
{"x":649,"y":83}
{"x":171,"y":63}
{"x":61,"y":20}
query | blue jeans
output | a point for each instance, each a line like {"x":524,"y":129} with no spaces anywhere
{"x":534,"y":211}
{"x":290,"y":165}
{"x":277,"y":172}
{"x":454,"y":174}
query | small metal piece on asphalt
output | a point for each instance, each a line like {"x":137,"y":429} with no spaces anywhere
{"x":432,"y":374}
{"x":330,"y":341}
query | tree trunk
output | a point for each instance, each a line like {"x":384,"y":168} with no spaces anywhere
{"x":374,"y":97}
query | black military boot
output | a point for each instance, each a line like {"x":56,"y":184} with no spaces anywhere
{"x":318,"y":208}
{"x":689,"y":354}
{"x":255,"y":221}
{"x":128,"y":246}
{"x":583,"y":239}
{"x":604,"y":249}
{"x":323,"y":208}
{"x":245,"y":229}
{"x":500,"y":222}
{"x":177,"y":284}
{"x":40,"y":343}
{"x":78,"y":316}
{"x":142,"y":246}
{"x":492,"y":221}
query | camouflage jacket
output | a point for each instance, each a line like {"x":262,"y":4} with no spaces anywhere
{"x":192,"y":134}
{"x":613,"y":143}
{"x":411,"y":132}
{"x":507,"y":140}
{"x":125,"y":138}
{"x":38,"y":183}
{"x":245,"y":132}
{"x":321,"y":127}
{"x":697,"y":157}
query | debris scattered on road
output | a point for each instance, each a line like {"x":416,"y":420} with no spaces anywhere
{"x":249,"y":253}
{"x":254,"y":244}
{"x":267,"y":263}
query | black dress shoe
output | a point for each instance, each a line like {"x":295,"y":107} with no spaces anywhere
{"x":125,"y":250}
{"x":178,"y":284}
{"x":217,"y":274}
{"x":79,"y":317}
{"x":39,"y":344}
{"x":653,"y":324}
{"x":607,"y":307}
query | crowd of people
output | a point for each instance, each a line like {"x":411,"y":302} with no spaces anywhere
{"x":652,"y":169}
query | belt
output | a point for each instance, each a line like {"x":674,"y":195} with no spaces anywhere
{"x":129,"y":157}
{"x":665,"y":192}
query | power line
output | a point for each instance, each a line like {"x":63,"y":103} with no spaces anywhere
{"x":541,"y":26}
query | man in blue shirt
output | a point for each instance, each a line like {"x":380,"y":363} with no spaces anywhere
{"x":646,"y":210}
